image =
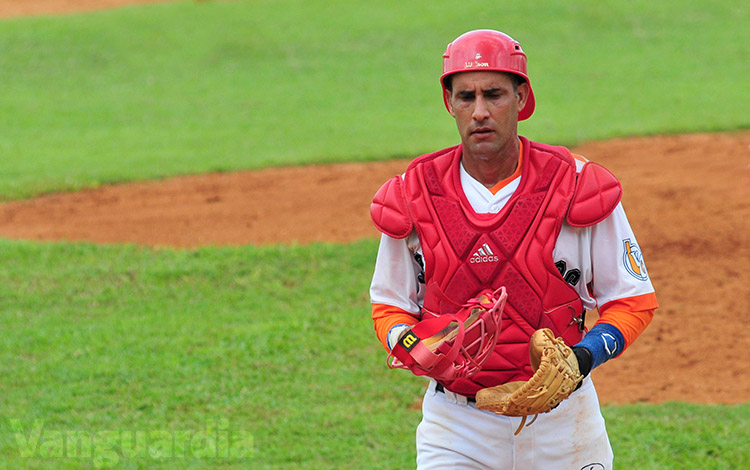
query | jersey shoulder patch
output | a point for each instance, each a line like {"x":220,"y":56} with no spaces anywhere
{"x":389,"y":210}
{"x":596,"y":195}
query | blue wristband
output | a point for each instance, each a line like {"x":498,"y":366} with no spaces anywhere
{"x":604,"y":342}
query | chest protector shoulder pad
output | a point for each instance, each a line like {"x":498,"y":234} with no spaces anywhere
{"x":389,"y":209}
{"x":596,"y":195}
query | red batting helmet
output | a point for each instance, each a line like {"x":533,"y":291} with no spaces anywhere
{"x":485,"y":49}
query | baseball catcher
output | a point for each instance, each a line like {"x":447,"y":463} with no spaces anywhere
{"x":498,"y":209}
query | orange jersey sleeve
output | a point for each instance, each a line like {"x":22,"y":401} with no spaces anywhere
{"x":386,"y":317}
{"x":630,"y":315}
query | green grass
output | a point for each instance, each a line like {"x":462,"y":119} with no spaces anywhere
{"x":274,"y":345}
{"x":273,"y":342}
{"x":189,"y":87}
{"x":679,"y":436}
{"x":276,"y":342}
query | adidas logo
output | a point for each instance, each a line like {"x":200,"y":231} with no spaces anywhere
{"x":483,"y":255}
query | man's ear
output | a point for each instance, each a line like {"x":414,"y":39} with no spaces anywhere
{"x":447,"y":99}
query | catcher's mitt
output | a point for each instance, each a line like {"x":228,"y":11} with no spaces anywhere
{"x":452,"y":346}
{"x":556,"y":375}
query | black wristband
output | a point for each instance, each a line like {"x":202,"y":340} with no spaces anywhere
{"x":585,"y":360}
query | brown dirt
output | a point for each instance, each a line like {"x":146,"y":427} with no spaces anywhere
{"x":14,"y":8}
{"x":687,"y":197}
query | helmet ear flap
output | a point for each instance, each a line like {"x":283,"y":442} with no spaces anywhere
{"x":526,"y":93}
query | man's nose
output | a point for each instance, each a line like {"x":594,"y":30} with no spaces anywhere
{"x":480,"y":109}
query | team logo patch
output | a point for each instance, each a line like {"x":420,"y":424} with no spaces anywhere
{"x":632,"y":259}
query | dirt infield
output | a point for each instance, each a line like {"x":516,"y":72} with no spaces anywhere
{"x":687,"y":197}
{"x":13,"y":8}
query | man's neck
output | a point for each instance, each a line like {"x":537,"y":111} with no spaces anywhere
{"x":490,"y":170}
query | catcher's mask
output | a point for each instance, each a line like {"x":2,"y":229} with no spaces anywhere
{"x":487,"y":50}
{"x":452,"y":346}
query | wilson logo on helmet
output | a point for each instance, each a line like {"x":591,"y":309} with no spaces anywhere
{"x":476,"y":62}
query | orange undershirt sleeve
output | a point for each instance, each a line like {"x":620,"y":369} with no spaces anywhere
{"x":630,"y":315}
{"x":388,"y":316}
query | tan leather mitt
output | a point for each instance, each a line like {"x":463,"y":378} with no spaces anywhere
{"x":556,"y":375}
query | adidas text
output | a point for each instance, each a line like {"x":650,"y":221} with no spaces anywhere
{"x":484,"y":255}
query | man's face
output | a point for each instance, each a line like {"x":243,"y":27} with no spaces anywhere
{"x":486,"y":108}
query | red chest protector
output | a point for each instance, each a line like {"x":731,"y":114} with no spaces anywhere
{"x":465,"y":252}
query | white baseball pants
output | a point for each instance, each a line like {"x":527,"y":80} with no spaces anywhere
{"x":454,"y":434}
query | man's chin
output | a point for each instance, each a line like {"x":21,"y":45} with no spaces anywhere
{"x":482,"y":149}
